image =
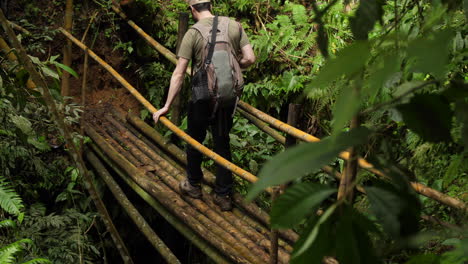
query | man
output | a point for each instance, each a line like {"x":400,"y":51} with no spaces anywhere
{"x":202,"y":115}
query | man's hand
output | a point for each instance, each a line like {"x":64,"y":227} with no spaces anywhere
{"x":159,"y":113}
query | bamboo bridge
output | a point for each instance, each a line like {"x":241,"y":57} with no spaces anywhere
{"x":152,"y":167}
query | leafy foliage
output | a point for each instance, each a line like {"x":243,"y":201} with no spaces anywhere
{"x":10,"y":201}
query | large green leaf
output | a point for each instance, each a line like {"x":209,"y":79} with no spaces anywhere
{"x":367,"y":14}
{"x":347,"y":62}
{"x":321,"y":247}
{"x":379,"y":76}
{"x":297,"y":161}
{"x":298,"y":201}
{"x":428,"y":115}
{"x":321,"y":226}
{"x":430,"y":53}
{"x":346,"y":106}
{"x":386,"y":205}
{"x":66,"y":68}
{"x":396,"y":206}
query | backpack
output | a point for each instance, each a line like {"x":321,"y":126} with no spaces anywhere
{"x":219,"y":79}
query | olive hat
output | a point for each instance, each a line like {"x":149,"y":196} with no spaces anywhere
{"x":194,"y":2}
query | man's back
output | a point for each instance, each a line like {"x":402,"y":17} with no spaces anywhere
{"x":192,"y":45}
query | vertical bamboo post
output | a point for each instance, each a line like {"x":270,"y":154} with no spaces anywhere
{"x":65,"y":132}
{"x":345,"y":191}
{"x":293,"y":116}
{"x":67,"y":50}
{"x":177,"y":105}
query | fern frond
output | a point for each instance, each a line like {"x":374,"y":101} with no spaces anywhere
{"x":38,"y":261}
{"x":10,"y":201}
{"x":7,"y":253}
{"x":7,"y":223}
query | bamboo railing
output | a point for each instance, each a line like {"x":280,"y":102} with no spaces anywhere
{"x":418,"y":187}
{"x":200,"y":147}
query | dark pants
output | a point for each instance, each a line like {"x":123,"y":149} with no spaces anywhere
{"x":200,"y":117}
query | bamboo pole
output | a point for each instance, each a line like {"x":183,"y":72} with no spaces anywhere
{"x":200,"y":223}
{"x":177,"y":104}
{"x":263,"y":126}
{"x":67,"y":51}
{"x":12,"y":58}
{"x":167,"y":174}
{"x":163,"y":50}
{"x":65,"y":132}
{"x":418,"y":187}
{"x":209,"y":153}
{"x":19,"y":28}
{"x":200,"y":243}
{"x":345,"y":190}
{"x":137,"y":218}
{"x":148,"y":156}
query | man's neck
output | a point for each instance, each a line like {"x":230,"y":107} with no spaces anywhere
{"x":205,"y":14}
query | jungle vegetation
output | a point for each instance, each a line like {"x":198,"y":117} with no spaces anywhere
{"x":385,"y":79}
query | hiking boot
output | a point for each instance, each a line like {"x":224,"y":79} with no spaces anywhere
{"x":223,"y":201}
{"x":188,"y":189}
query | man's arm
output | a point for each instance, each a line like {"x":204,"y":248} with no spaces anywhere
{"x":176,"y":83}
{"x":248,"y":56}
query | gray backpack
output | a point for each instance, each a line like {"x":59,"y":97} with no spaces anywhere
{"x":219,"y":79}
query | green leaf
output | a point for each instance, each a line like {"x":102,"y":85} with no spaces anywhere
{"x":377,"y":79}
{"x":346,"y":106}
{"x":298,"y":201}
{"x":321,"y":247}
{"x":66,"y":68}
{"x":311,"y":238}
{"x":49,"y":72}
{"x":396,"y":206}
{"x":22,"y":123}
{"x":452,"y":170}
{"x":386,"y":205}
{"x":430,"y":54}
{"x":299,"y":160}
{"x":425,"y":259}
{"x":38,"y":261}
{"x":461,"y":112}
{"x":457,"y":91}
{"x":348,"y":61}
{"x":7,"y":223}
{"x":428,"y":115}
{"x":40,"y":145}
{"x":404,"y":88}
{"x":347,"y":247}
{"x":367,"y":14}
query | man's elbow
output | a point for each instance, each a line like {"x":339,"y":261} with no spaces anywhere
{"x":250,"y":60}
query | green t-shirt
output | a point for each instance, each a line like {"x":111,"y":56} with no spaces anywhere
{"x":192,"y":43}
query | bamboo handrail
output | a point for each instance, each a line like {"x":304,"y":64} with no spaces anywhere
{"x":207,"y":152}
{"x":165,"y":213}
{"x":132,"y":212}
{"x":163,"y":50}
{"x":418,"y":187}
